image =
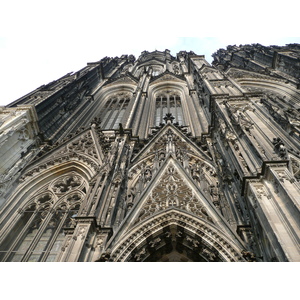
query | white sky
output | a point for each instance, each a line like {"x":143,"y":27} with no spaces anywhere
{"x":41,"y":41}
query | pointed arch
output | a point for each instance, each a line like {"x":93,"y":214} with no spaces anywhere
{"x":200,"y":238}
{"x":115,"y":107}
{"x":168,"y":102}
{"x":172,"y":189}
{"x":112,"y":102}
{"x":167,"y":95}
{"x":262,"y":82}
{"x":40,"y":208}
{"x":191,"y":163}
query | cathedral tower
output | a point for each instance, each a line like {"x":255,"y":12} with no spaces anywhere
{"x":159,"y":158}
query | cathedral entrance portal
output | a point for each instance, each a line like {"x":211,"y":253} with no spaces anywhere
{"x":175,"y":236}
{"x":174,"y":244}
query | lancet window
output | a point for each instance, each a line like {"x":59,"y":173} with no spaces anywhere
{"x":38,"y":233}
{"x":114,"y":111}
{"x":168,"y":103}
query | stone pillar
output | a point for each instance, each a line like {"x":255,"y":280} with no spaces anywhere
{"x":274,"y":199}
{"x":18,"y":134}
{"x":75,"y":242}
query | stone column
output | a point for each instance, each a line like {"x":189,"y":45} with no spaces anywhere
{"x":73,"y":247}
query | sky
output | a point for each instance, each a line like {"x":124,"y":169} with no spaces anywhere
{"x":40,"y":41}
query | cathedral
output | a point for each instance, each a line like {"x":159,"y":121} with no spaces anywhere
{"x":156,"y":159}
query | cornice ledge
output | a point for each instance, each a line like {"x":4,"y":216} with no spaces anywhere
{"x":258,"y":176}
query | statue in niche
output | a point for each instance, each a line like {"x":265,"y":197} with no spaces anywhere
{"x":161,"y":156}
{"x":148,"y":175}
{"x":195,"y":172}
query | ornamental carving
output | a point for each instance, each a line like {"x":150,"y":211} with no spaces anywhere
{"x":227,"y":165}
{"x":176,"y":69}
{"x":172,"y":191}
{"x":84,"y":144}
{"x":219,"y":83}
{"x":210,"y":239}
{"x":66,"y":184}
{"x":170,"y":142}
{"x":54,"y":161}
{"x":261,"y":192}
{"x":67,"y":191}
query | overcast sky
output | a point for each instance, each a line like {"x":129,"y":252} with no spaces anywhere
{"x":41,"y":41}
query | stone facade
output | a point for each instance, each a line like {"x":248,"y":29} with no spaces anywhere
{"x":159,"y":158}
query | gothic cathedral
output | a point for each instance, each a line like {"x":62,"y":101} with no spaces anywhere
{"x":156,"y":159}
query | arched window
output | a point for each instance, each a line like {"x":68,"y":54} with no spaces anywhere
{"x":114,"y":111}
{"x":168,"y":103}
{"x":38,"y":234}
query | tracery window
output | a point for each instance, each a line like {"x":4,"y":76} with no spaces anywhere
{"x":114,"y":110}
{"x":38,"y":234}
{"x":168,"y":103}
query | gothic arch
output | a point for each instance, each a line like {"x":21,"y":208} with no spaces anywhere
{"x":101,"y":98}
{"x":35,"y":184}
{"x":172,"y":190}
{"x":251,"y":80}
{"x":202,"y":171}
{"x":38,"y":223}
{"x":168,"y":102}
{"x":172,"y":87}
{"x":113,"y":112}
{"x":173,"y":231}
{"x":269,"y":86}
{"x":278,"y":100}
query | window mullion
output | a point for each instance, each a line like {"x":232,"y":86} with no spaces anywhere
{"x":176,"y":112}
{"x":107,"y":121}
{"x":106,"y":110}
{"x":37,"y":236}
{"x":124,"y":108}
{"x":54,"y":237}
{"x":120,"y":104}
{"x":20,"y":236}
{"x":161,"y":109}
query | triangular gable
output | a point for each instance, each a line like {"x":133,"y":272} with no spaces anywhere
{"x":167,"y":75}
{"x":83,"y":146}
{"x":152,"y":61}
{"x":125,"y":79}
{"x":172,"y":188}
{"x":180,"y":140}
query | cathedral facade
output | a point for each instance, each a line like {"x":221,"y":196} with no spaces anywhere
{"x":159,"y":158}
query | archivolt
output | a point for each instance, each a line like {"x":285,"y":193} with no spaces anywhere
{"x":271,"y":86}
{"x":109,"y":91}
{"x":103,"y":95}
{"x":212,"y":240}
{"x":39,"y":179}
